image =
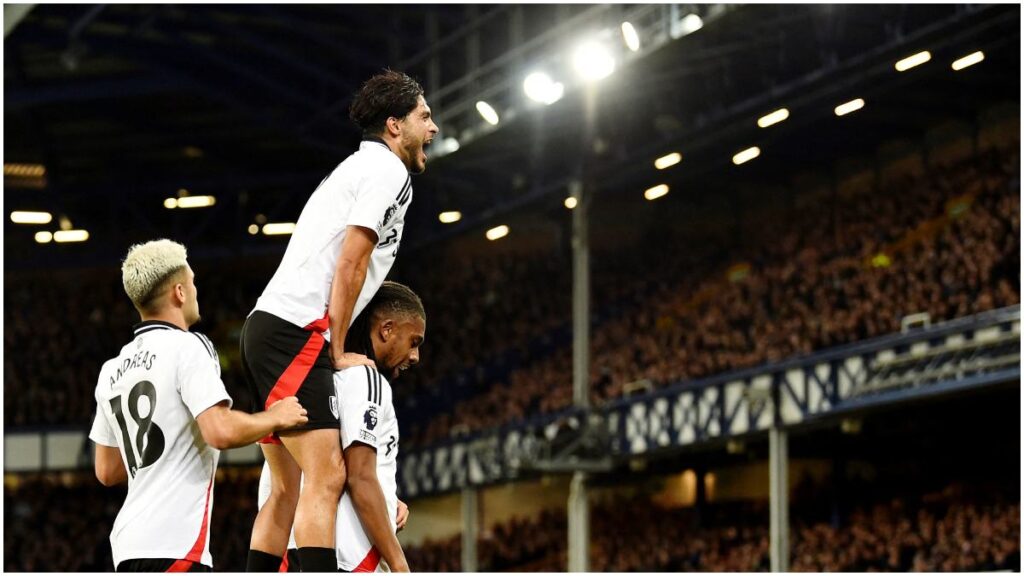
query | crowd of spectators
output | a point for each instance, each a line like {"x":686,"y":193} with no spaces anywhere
{"x":498,"y":347}
{"x":944,"y":532}
{"x":950,"y":530}
{"x":951,"y":246}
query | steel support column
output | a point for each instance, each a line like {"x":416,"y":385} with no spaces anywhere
{"x":779,"y":498}
{"x":470,"y":528}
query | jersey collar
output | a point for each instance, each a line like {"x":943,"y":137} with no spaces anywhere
{"x":150,"y":325}
{"x":374,"y":140}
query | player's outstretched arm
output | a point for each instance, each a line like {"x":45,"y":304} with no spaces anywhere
{"x":110,"y":470}
{"x":349,"y":276}
{"x":225,"y":428}
{"x":368,"y":500}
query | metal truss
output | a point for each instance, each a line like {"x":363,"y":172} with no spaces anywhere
{"x":966,"y":353}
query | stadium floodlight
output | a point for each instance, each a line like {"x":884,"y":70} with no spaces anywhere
{"x":539,"y":87}
{"x":848,"y":107}
{"x":746,"y":155}
{"x":656,"y":192}
{"x":571,"y":202}
{"x":24,"y":170}
{"x":497,"y":232}
{"x":70,"y":236}
{"x":254,"y":229}
{"x":969,"y":60}
{"x":27,"y":217}
{"x":170,"y":203}
{"x":450,"y":217}
{"x":449,"y":145}
{"x":773,"y":118}
{"x":44,"y":237}
{"x":630,"y":36}
{"x":196,"y":201}
{"x":911,"y":61}
{"x":487,"y":112}
{"x":691,"y":23}
{"x":668,"y":160}
{"x":278,"y":228}
{"x":593,"y":61}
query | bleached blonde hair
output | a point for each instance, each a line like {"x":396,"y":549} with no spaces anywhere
{"x":149,"y":266}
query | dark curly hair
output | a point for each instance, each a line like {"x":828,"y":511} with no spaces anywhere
{"x":391,"y":298}
{"x":386,"y":95}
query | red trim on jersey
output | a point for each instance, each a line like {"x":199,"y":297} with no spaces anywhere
{"x":284,"y":563}
{"x":180,"y":566}
{"x":370,"y":563}
{"x":196,"y":553}
{"x":320,"y":325}
{"x":290,"y":381}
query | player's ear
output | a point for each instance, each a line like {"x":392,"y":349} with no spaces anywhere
{"x":387,"y":329}
{"x":393,"y":126}
{"x":179,"y":293}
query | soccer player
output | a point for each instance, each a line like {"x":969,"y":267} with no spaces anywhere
{"x":343,"y":246}
{"x":163,"y":416}
{"x":390,"y":331}
{"x":290,"y":562}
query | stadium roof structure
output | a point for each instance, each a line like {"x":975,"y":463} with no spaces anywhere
{"x":125,"y":106}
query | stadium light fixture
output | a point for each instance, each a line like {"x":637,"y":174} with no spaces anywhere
{"x":497,"y":232}
{"x":27,"y":217}
{"x":487,"y":112}
{"x":70,"y":236}
{"x":969,"y":60}
{"x":450,"y":217}
{"x":911,"y":61}
{"x":449,"y":145}
{"x":848,"y":107}
{"x":668,"y":160}
{"x":630,"y":36}
{"x":746,"y":155}
{"x":690,"y":24}
{"x":593,"y":61}
{"x":196,"y":201}
{"x":773,"y":118}
{"x":170,"y":203}
{"x":539,"y":87}
{"x":24,"y":170}
{"x":44,"y":237}
{"x":278,"y":228}
{"x":656,"y":192}
{"x":571,"y":202}
{"x":254,"y":229}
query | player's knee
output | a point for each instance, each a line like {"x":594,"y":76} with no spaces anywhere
{"x":285,"y":495}
{"x":329,"y":479}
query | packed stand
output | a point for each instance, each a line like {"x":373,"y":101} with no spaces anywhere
{"x":498,"y":346}
{"x":942,"y":532}
{"x":951,"y":530}
{"x":814,"y":286}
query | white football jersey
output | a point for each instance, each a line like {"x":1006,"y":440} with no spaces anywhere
{"x":372,"y":188}
{"x":148,"y":398}
{"x":367,"y":416}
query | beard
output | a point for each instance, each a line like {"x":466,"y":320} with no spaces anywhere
{"x":412,"y":150}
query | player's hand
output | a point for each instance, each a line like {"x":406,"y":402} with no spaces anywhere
{"x":342,"y":360}
{"x":403,"y":515}
{"x":288,"y":413}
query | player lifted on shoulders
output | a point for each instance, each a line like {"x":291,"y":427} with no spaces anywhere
{"x":390,"y":331}
{"x":163,"y":416}
{"x":343,"y":246}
